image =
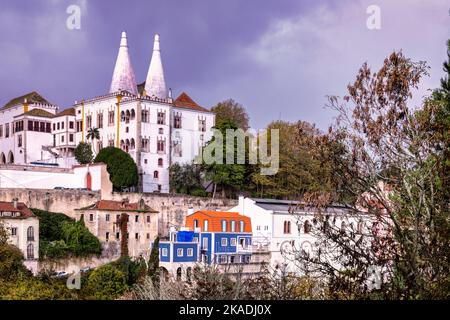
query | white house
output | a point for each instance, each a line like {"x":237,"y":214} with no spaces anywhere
{"x":23,"y":228}
{"x":285,"y":226}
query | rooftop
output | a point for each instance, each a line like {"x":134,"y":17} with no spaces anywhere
{"x":67,"y":112}
{"x":184,"y":101}
{"x":111,"y":205}
{"x":32,"y":97}
{"x":21,"y":207}
{"x":37,"y":113}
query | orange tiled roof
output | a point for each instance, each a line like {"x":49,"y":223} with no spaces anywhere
{"x":110,"y":205}
{"x":184,"y":101}
{"x":21,"y":207}
{"x":215,"y":219}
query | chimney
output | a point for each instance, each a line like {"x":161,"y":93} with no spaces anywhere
{"x":15,"y":201}
{"x":241,"y":205}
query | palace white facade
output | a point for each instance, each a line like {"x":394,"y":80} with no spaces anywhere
{"x":143,"y":120}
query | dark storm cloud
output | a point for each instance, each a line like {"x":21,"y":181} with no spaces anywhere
{"x":278,"y":58}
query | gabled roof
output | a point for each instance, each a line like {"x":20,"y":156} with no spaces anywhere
{"x":37,"y":113}
{"x":184,"y":101}
{"x":32,"y":97}
{"x":111,"y":205}
{"x":21,"y":207}
{"x":67,"y":112}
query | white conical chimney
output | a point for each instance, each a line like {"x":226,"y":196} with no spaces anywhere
{"x":155,"y":85}
{"x":123,"y":76}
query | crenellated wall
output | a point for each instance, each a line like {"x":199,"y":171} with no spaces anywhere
{"x":172,"y":208}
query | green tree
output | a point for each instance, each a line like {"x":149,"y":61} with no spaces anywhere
{"x":93,"y":134}
{"x":79,"y":240}
{"x":229,"y":177}
{"x":11,"y":258}
{"x":153,"y":262}
{"x":121,"y":167}
{"x":83,"y":153}
{"x":186,"y":178}
{"x":106,"y":283}
{"x":231,"y":111}
{"x":133,"y":269}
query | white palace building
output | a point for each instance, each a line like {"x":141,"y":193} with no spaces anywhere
{"x":143,"y":120}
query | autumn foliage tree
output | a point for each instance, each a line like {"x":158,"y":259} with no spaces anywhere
{"x":391,"y":163}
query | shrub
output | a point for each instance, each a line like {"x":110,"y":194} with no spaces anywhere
{"x":106,"y":283}
{"x":121,"y":167}
{"x":83,"y":153}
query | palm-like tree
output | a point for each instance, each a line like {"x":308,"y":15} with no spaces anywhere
{"x":93,"y":134}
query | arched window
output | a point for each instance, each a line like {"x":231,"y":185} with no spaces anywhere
{"x":241,"y":226}
{"x":127,"y":116}
{"x":233,"y":226}
{"x":30,"y":234}
{"x":224,"y":225}
{"x":122,"y":144}
{"x":205,"y":225}
{"x":343,"y":226}
{"x":195,"y":223}
{"x":287,"y":227}
{"x":10,"y":157}
{"x":2,"y":158}
{"x":179,"y":274}
{"x":160,"y":162}
{"x":307,"y":227}
{"x":132,"y":144}
{"x":122,"y":116}
{"x":127,"y":145}
{"x":132,"y":115}
{"x":30,"y":251}
{"x":155,"y":175}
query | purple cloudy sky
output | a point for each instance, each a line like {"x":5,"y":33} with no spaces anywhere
{"x":278,"y":58}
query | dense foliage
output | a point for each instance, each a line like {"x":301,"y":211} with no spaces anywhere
{"x":83,"y":153}
{"x":121,"y":167}
{"x":231,"y":111}
{"x":106,"y":282}
{"x":61,"y":236}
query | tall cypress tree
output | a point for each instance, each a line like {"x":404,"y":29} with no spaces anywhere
{"x":153,"y":263}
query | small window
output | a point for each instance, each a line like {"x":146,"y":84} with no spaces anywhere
{"x":241,"y":226}
{"x":233,"y":226}
{"x":136,"y":218}
{"x":107,"y":217}
{"x":164,"y":252}
{"x":136,"y":236}
{"x":205,"y":225}
{"x":155,"y":174}
{"x":14,"y":231}
{"x":190,"y":252}
{"x":160,"y":162}
{"x":107,"y":236}
{"x":180,"y":252}
{"x":148,"y":219}
{"x":91,"y":217}
{"x":224,"y":242}
{"x":117,"y":235}
{"x":148,"y":236}
{"x":233,"y":242}
{"x":307,"y":227}
{"x":224,"y":225}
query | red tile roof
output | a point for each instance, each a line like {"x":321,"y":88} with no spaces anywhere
{"x":21,"y":207}
{"x":215,"y":219}
{"x":110,"y":205}
{"x":184,"y":101}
